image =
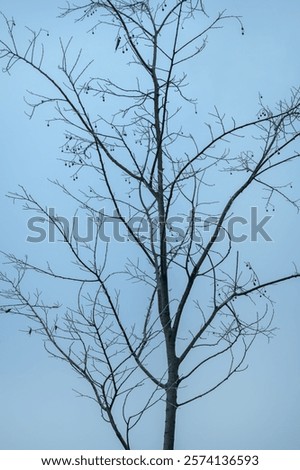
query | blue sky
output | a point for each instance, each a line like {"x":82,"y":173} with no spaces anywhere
{"x":258,"y":409}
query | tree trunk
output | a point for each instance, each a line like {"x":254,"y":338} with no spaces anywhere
{"x":171,"y":409}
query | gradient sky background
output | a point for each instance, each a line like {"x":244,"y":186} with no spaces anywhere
{"x":258,"y":409}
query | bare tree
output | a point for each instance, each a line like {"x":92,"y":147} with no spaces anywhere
{"x":202,"y":301}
